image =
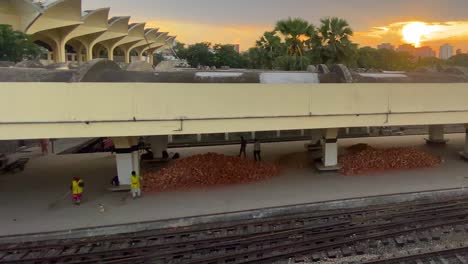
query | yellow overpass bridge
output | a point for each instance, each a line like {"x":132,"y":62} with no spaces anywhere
{"x":70,"y":110}
{"x":124,"y":111}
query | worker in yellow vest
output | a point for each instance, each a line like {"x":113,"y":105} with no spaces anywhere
{"x":135,"y":185}
{"x":77,"y":187}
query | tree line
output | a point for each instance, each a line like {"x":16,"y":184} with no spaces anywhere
{"x":293,"y":44}
{"x":16,"y":46}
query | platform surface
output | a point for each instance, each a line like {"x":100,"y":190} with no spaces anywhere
{"x":35,"y":200}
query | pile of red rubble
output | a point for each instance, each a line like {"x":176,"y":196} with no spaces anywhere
{"x":206,"y":170}
{"x":364,"y":159}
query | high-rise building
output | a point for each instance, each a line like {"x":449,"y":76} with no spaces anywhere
{"x":237,"y":47}
{"x":424,"y":52}
{"x":407,"y":48}
{"x":386,"y":46}
{"x":446,"y":52}
{"x":417,"y":53}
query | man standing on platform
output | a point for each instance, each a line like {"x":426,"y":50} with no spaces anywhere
{"x":243,"y":148}
{"x":257,"y":150}
{"x":135,"y":185}
{"x":44,"y":146}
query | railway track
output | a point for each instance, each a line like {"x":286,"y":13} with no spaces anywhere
{"x":327,"y":234}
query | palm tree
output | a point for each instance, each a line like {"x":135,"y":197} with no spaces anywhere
{"x":334,"y":37}
{"x":296,"y":32}
{"x":270,"y":46}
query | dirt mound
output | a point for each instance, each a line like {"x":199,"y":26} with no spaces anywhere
{"x":369,"y":160}
{"x":207,"y":170}
{"x":358,"y":148}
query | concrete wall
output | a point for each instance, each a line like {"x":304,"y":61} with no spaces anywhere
{"x":60,"y":110}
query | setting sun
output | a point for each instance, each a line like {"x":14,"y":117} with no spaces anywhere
{"x":416,"y":32}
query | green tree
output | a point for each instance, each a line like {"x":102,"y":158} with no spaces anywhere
{"x":200,"y":54}
{"x":16,"y":46}
{"x":367,"y":58}
{"x":332,"y":43}
{"x":385,"y":59}
{"x":226,"y":55}
{"x":180,"y":50}
{"x":267,"y":48}
{"x":158,"y":58}
{"x":458,"y":60}
{"x":295,"y":31}
{"x":291,"y":63}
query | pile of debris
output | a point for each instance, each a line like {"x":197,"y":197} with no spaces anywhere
{"x":364,"y":159}
{"x":206,"y":170}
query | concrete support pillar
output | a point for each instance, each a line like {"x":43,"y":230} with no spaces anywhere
{"x":158,"y":145}
{"x":136,"y":161}
{"x":127,"y":56}
{"x":60,"y":53}
{"x":199,"y":138}
{"x":330,"y":151}
{"x":89,"y":52}
{"x":226,"y":136}
{"x":436,"y":135}
{"x":302,"y":132}
{"x":464,"y":153}
{"x":110,"y":53}
{"x":170,"y":138}
{"x":253,"y":134}
{"x":141,"y":57}
{"x":124,"y":167}
{"x":278,"y":133}
{"x":127,"y":157}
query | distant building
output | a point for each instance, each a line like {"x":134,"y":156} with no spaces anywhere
{"x":386,"y":46}
{"x":407,"y":48}
{"x":417,"y":53}
{"x":237,"y":47}
{"x":446,"y":52}
{"x":424,"y":52}
{"x":459,"y":51}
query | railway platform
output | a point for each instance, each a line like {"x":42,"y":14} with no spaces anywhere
{"x":36,"y":200}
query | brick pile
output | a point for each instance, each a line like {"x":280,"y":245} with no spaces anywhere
{"x":363,"y":159}
{"x":201,"y":171}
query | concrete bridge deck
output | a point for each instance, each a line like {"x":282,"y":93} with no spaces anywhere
{"x":73,"y":110}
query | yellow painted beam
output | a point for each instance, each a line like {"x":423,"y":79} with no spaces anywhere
{"x":139,"y":109}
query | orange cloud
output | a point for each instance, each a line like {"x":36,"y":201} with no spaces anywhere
{"x":435,"y":34}
{"x":453,"y":32}
{"x":190,"y":33}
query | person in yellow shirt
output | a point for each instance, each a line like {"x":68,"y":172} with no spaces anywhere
{"x":135,"y":185}
{"x":77,"y":188}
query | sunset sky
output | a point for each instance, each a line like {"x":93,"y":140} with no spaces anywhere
{"x":243,"y":21}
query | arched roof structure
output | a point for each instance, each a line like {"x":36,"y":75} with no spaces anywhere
{"x":62,"y":21}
